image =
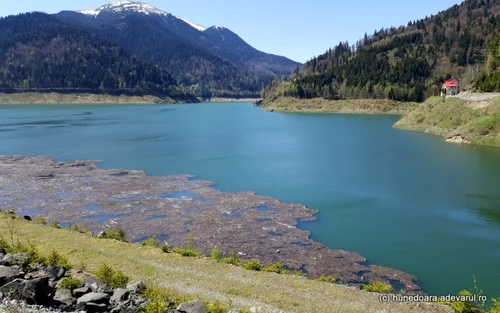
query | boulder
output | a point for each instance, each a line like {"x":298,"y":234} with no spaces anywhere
{"x":65,"y":297}
{"x":91,"y":307}
{"x":136,"y":287}
{"x":101,"y":287}
{"x":96,"y":307}
{"x":126,"y":307}
{"x":55,"y":272}
{"x":120,"y":295}
{"x":11,"y":259}
{"x":81,"y":291}
{"x":34,"y":291}
{"x":94,"y":297}
{"x":195,"y":306}
{"x":8,"y":274}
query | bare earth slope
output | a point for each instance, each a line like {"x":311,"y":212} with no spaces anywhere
{"x":354,"y":106}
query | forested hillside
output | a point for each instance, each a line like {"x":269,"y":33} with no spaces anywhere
{"x":210,"y":61}
{"x":207,"y":74}
{"x":407,"y":63}
{"x":39,"y":52}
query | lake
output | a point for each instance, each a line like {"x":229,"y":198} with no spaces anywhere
{"x":401,"y":199}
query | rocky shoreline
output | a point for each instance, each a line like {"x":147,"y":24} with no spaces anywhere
{"x":171,"y":208}
{"x":39,"y":288}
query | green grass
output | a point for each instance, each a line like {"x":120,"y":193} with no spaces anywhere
{"x":200,"y":278}
{"x":477,"y":122}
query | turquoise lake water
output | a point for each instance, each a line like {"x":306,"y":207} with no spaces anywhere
{"x":401,"y":199}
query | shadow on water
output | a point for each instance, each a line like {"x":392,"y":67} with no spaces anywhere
{"x":487,"y":206}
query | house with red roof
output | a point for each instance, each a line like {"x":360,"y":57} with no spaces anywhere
{"x":451,"y":87}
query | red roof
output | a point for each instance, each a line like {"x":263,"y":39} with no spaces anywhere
{"x":452,"y":82}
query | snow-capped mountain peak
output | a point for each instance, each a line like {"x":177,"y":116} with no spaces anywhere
{"x":135,"y":7}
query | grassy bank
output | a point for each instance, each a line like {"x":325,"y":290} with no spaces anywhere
{"x":202,"y":278}
{"x":476,"y":122}
{"x":77,"y":98}
{"x":355,"y":106}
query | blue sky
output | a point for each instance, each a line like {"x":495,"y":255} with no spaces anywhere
{"x":298,"y":29}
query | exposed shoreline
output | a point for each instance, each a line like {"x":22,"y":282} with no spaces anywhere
{"x":40,"y":98}
{"x":254,"y":226}
{"x":78,"y":98}
{"x":354,"y":106}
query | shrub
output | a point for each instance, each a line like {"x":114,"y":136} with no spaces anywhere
{"x":164,"y":248}
{"x":43,"y":221}
{"x":495,"y":306}
{"x":151,"y":242}
{"x":216,"y":254}
{"x":56,"y":224}
{"x":253,"y":265}
{"x":70,"y":283}
{"x":185,"y":252}
{"x":117,"y":234}
{"x":275,"y":268}
{"x":327,"y":279}
{"x":119,"y":280}
{"x":233,"y":259}
{"x":158,"y":299}
{"x":105,"y":273}
{"x":55,"y":259}
{"x":109,"y":276}
{"x":379,"y":287}
{"x":79,"y":229}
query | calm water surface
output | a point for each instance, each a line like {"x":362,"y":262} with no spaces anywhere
{"x":402,"y":199}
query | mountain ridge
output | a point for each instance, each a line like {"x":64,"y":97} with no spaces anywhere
{"x":225,"y":64}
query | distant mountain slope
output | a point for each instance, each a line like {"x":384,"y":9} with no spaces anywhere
{"x":37,"y":51}
{"x":406,"y":63}
{"x":213,"y":60}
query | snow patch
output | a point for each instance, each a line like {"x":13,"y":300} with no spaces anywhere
{"x":194,"y":25}
{"x":137,"y":7}
{"x":125,"y":6}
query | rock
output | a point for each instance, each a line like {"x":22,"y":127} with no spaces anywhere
{"x":120,"y":295}
{"x":94,"y":297}
{"x":96,"y":307}
{"x":195,"y":306}
{"x":81,"y":291}
{"x":64,"y":296}
{"x":8,"y":274}
{"x":11,"y":259}
{"x":101,"y":234}
{"x":55,"y":272}
{"x":101,"y":287}
{"x":34,"y":291}
{"x":235,"y":311}
{"x":458,"y":139}
{"x":136,"y":287}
